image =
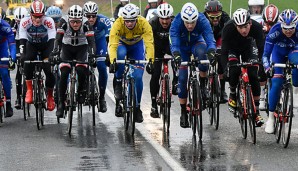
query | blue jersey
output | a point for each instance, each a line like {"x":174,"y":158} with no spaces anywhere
{"x":7,"y":36}
{"x":276,"y":38}
{"x":180,"y":37}
{"x":102,"y":27}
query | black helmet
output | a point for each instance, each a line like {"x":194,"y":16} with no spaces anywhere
{"x":213,"y":6}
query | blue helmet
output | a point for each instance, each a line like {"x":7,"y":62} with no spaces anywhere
{"x":288,"y":18}
{"x":54,"y":12}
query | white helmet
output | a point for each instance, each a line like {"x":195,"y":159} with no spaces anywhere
{"x":151,"y":1}
{"x":130,"y":11}
{"x":241,"y":16}
{"x":20,"y":13}
{"x":90,"y":7}
{"x":165,"y":11}
{"x":189,"y":12}
{"x":76,"y":12}
{"x":256,"y":2}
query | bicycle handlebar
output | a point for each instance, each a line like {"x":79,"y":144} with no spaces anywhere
{"x":195,"y":62}
{"x":131,"y":61}
{"x":37,"y":61}
{"x":245,"y":64}
{"x":280,"y":65}
{"x":5,"y":59}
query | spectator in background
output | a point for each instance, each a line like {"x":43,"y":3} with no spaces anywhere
{"x":119,"y":7}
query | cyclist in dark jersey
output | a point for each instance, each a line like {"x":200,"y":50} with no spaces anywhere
{"x":160,"y":26}
{"x":217,"y":18}
{"x":118,"y":7}
{"x":238,"y":40}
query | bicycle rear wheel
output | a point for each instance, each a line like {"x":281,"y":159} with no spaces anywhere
{"x":287,"y":115}
{"x":71,"y":105}
{"x":251,"y":114}
{"x":166,"y":105}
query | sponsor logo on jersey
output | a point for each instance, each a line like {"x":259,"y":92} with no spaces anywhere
{"x":49,"y":24}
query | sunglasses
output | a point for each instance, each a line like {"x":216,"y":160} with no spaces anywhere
{"x":130,"y":21}
{"x":288,"y":29}
{"x":91,"y":16}
{"x":213,"y":17}
{"x":75,"y":21}
{"x":37,"y":16}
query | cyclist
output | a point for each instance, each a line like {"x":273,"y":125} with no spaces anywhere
{"x":281,"y":41}
{"x":37,"y":35}
{"x":270,"y":17}
{"x":247,"y":33}
{"x":129,"y":35}
{"x":7,"y":43}
{"x":3,"y":15}
{"x":19,"y":13}
{"x":255,"y":7}
{"x":160,"y":26}
{"x":190,"y":22}
{"x":217,"y":18}
{"x":152,"y":7}
{"x":102,"y":26}
{"x":75,"y":37}
{"x":118,"y":8}
{"x":55,"y":13}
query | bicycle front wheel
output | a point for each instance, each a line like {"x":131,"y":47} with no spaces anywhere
{"x":132,"y":107}
{"x":36,"y":103}
{"x":167,"y":105}
{"x":240,"y":113}
{"x":196,"y":109}
{"x":71,"y":105}
{"x":93,"y":96}
{"x":287,"y":115}
{"x":216,"y":101}
{"x":251,"y":114}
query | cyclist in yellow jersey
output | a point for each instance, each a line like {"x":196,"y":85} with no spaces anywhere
{"x":128,"y":36}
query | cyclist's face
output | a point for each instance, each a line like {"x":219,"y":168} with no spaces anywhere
{"x":214,"y":18}
{"x":244,"y":29}
{"x":190,"y":26}
{"x":36,"y":20}
{"x":75,"y":24}
{"x":165,"y":22}
{"x":288,"y":31}
{"x":256,"y":9}
{"x":91,"y":18}
{"x":130,"y":24}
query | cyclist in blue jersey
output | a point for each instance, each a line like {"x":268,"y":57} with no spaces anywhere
{"x":191,"y":33}
{"x":281,"y":41}
{"x":102,"y":26}
{"x":55,"y":13}
{"x":7,"y":42}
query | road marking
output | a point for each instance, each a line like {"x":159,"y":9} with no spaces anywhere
{"x":174,"y":164}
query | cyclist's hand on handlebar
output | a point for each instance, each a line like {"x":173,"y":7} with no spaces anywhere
{"x":269,"y":72}
{"x":113,"y":67}
{"x":254,"y":61}
{"x":55,"y":52}
{"x":177,"y":58}
{"x":211,"y":56}
{"x":150,"y":67}
{"x":11,"y":65}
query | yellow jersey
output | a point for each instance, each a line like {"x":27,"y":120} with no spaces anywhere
{"x":119,"y":32}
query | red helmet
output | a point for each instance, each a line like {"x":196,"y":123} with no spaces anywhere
{"x":270,"y":14}
{"x":37,"y":8}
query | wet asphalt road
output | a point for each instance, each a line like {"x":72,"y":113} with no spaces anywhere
{"x":108,"y":147}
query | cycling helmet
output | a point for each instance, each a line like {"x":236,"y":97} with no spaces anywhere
{"x":76,"y":12}
{"x":270,"y":14}
{"x":152,"y":1}
{"x":256,"y":2}
{"x":288,"y":18}
{"x":90,"y":8}
{"x":164,"y":11}
{"x":213,"y":6}
{"x":189,"y":12}
{"x":241,"y":16}
{"x":130,"y":12}
{"x":54,"y":12}
{"x":37,"y":8}
{"x":20,"y":13}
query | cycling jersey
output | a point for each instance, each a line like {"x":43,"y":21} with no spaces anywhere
{"x":141,"y":31}
{"x":180,"y":37}
{"x":102,"y":28}
{"x":40,"y":34}
{"x":7,"y":36}
{"x":15,"y":28}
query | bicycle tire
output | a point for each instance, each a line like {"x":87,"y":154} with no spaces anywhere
{"x":71,"y":105}
{"x":56,"y":88}
{"x":210,"y":103}
{"x":251,"y":114}
{"x":92,"y":97}
{"x":42,"y":104}
{"x":125,"y":104}
{"x":287,"y":115}
{"x":191,"y":107}
{"x":198,"y":114}
{"x":167,"y":105}
{"x":25,"y":106}
{"x":240,"y":110}
{"x":216,"y":101}
{"x":132,"y":107}
{"x":278,"y":118}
